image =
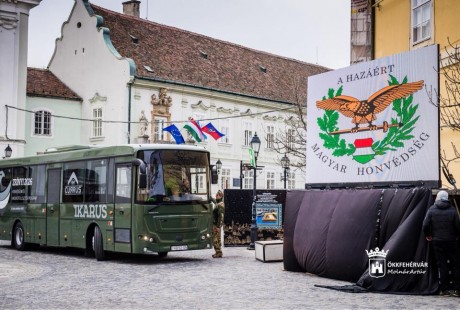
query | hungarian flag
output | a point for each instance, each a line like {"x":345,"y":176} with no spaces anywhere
{"x":212,"y":131}
{"x":194,"y":129}
{"x":174,"y":131}
{"x":364,"y":152}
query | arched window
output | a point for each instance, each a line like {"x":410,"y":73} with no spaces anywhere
{"x":42,"y":123}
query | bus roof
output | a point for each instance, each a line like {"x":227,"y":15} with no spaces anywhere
{"x":78,"y":152}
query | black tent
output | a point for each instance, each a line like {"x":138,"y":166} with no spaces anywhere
{"x":327,"y":232}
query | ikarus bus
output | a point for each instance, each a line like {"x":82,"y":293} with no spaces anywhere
{"x":133,"y":199}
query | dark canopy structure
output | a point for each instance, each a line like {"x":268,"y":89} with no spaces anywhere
{"x":327,"y":233}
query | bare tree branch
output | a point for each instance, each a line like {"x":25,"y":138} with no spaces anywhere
{"x":449,"y":101}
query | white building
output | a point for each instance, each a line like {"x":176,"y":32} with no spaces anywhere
{"x":134,"y":77}
{"x":14,"y":23}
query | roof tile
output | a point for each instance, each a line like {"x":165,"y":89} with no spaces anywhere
{"x":176,"y":55}
{"x":43,"y":83}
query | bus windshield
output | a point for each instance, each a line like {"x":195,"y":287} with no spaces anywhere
{"x":173,"y":176}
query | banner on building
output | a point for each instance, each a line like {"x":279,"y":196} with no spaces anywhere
{"x":375,"y":122}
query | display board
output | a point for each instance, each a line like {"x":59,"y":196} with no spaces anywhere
{"x":375,"y":122}
{"x":238,"y":215}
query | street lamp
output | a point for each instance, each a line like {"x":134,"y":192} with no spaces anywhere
{"x":255,"y":145}
{"x":8,"y":152}
{"x":218,"y":167}
{"x":285,"y":164}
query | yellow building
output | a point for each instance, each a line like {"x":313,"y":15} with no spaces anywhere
{"x":405,"y":25}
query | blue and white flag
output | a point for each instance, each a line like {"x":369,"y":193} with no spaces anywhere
{"x":174,"y":131}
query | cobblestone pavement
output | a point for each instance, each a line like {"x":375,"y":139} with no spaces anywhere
{"x":50,"y":278}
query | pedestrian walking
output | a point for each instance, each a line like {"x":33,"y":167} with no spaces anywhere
{"x":218,"y":221}
{"x":441,"y":226}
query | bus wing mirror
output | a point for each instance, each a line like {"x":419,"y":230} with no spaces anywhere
{"x":142,"y":181}
{"x":142,"y":173}
{"x":139,"y":163}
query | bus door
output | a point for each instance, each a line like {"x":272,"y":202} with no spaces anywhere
{"x":53,"y":206}
{"x":123,"y":212}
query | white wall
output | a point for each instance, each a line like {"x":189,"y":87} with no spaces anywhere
{"x":84,"y":60}
{"x":14,"y":17}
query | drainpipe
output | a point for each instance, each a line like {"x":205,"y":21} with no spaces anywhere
{"x":373,"y":30}
{"x":130,"y":85}
{"x":6,"y":130}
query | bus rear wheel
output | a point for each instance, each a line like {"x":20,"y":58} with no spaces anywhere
{"x":98,"y":245}
{"x":162,"y":254}
{"x":18,"y":237}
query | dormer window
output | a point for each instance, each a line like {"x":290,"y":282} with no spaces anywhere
{"x":148,"y":69}
{"x":263,"y":69}
{"x":134,"y":39}
{"x":203,"y":54}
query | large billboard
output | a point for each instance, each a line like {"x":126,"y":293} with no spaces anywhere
{"x":375,"y":122}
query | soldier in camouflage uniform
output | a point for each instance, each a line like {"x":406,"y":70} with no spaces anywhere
{"x":218,"y":221}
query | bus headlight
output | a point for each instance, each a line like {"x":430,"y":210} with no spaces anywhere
{"x":204,"y":237}
{"x":146,"y":238}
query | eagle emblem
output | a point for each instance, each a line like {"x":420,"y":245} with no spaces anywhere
{"x":364,"y":149}
{"x":364,"y":111}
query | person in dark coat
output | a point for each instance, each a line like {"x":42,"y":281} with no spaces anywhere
{"x":441,"y":226}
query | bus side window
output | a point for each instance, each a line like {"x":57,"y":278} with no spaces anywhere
{"x":123,"y":185}
{"x":37,"y":189}
{"x":96,"y":181}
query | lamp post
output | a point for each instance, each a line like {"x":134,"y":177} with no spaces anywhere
{"x":285,"y":164}
{"x":8,"y":152}
{"x":255,"y":145}
{"x":218,"y":166}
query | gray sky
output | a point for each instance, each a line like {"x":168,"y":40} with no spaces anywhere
{"x":314,"y":31}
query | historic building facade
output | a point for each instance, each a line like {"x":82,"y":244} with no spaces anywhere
{"x":136,"y":77}
{"x":399,"y":26}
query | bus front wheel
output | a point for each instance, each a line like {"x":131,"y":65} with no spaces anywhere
{"x":98,"y":245}
{"x":18,"y":237}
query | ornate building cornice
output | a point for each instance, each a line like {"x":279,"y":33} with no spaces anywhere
{"x":248,"y":112}
{"x":224,"y":110}
{"x":201,"y":105}
{"x":97,"y":97}
{"x":8,"y":20}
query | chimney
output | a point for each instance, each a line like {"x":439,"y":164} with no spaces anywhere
{"x":131,"y":8}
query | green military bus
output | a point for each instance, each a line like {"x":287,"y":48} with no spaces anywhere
{"x":132,"y":199}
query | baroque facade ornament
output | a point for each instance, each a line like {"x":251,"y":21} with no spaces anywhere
{"x":144,"y":123}
{"x":163,"y":100}
{"x":8,"y":20}
{"x":201,"y":105}
{"x":97,"y":97}
{"x":270,"y":118}
{"x":248,"y":112}
{"x":224,"y":110}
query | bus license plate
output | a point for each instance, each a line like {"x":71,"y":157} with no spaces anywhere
{"x":179,"y":247}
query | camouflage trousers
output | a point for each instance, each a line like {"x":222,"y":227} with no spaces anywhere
{"x":216,"y":240}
